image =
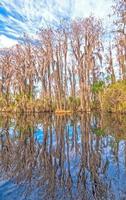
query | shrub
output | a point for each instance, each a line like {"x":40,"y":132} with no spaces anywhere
{"x":114,"y":98}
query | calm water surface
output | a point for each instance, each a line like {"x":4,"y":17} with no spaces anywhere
{"x":47,"y":157}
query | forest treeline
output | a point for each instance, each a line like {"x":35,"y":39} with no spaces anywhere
{"x":78,"y":66}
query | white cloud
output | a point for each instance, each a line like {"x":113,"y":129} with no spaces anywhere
{"x":100,"y":8}
{"x":81,"y":9}
{"x":6,"y":42}
{"x":28,"y":16}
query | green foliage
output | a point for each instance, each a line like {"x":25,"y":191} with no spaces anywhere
{"x":114,"y":98}
{"x":98,"y":86}
{"x":73,"y":103}
{"x":98,"y":131}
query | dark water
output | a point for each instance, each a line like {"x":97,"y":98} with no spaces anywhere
{"x":45,"y":157}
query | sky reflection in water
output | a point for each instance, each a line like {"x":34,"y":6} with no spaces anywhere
{"x":58,"y":157}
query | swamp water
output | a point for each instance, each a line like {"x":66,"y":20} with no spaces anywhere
{"x":48,"y":157}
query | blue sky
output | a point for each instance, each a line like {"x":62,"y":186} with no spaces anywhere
{"x":28,"y":16}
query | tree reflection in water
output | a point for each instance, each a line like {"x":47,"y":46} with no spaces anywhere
{"x":63,"y":157}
